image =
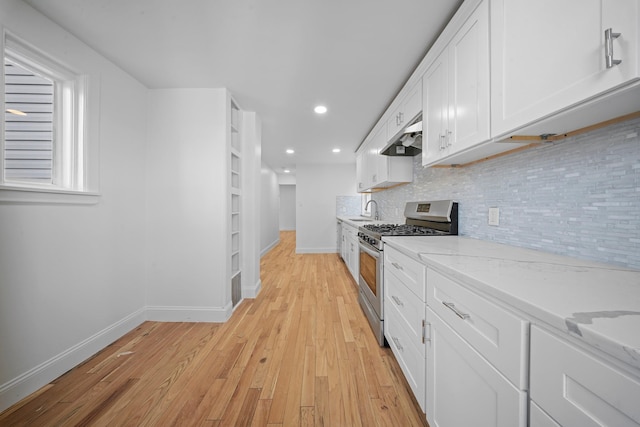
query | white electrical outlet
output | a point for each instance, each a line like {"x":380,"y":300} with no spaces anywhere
{"x":494,"y":216}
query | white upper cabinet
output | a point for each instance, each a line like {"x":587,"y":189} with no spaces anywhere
{"x":435,"y":117}
{"x":374,"y":170}
{"x":406,"y":112}
{"x":456,"y":104}
{"x":547,"y":56}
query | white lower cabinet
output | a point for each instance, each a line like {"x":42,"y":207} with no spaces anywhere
{"x":463,"y":389}
{"x":404,"y":322}
{"x":473,"y":360}
{"x":577,"y":388}
{"x":539,"y":418}
{"x":349,"y":249}
{"x":499,"y":335}
{"x":408,"y":353}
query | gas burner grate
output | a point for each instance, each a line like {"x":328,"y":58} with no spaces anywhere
{"x":403,"y":230}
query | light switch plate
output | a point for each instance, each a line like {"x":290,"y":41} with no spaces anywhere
{"x":494,"y":216}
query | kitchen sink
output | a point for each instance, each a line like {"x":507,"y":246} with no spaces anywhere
{"x":360,"y":220}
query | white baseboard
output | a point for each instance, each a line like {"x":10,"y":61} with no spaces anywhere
{"x":31,"y":381}
{"x":332,"y":250}
{"x":188,"y":314}
{"x":251,"y":291}
{"x":268,"y":248}
{"x":37,"y":377}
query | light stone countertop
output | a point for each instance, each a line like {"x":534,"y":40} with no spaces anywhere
{"x":357,"y":221}
{"x":596,"y":303}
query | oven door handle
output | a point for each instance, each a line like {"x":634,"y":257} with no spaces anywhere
{"x":374,"y":254}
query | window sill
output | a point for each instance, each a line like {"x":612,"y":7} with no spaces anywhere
{"x":28,"y":195}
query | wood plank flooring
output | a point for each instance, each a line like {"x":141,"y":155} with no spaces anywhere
{"x":300,"y":354}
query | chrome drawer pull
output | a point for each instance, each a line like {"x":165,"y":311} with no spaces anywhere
{"x":397,"y":341}
{"x":451,"y":306}
{"x":396,"y":265}
{"x":609,"y":37}
{"x":397,"y":300}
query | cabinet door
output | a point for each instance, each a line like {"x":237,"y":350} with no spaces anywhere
{"x":434,"y":110}
{"x":408,"y":353}
{"x":463,"y":389}
{"x":394,"y":123}
{"x":407,"y":111}
{"x":360,"y":171}
{"x":380,"y":162}
{"x":548,"y":55}
{"x":469,"y":103}
{"x":354,"y":255}
{"x":539,"y":418}
{"x":412,"y":104}
{"x":577,"y":389}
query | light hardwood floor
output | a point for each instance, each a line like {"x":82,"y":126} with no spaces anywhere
{"x":300,"y":354}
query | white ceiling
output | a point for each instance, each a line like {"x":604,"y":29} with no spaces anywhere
{"x":279,"y":58}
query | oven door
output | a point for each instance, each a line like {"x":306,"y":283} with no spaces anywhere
{"x":371,"y":277}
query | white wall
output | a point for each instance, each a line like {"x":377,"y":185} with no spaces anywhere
{"x":269,"y":209}
{"x":72,"y":277}
{"x":287,"y":207}
{"x":316,"y":189}
{"x":187,"y":204}
{"x":286,"y":179}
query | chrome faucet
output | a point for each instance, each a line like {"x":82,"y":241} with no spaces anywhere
{"x":376,"y":217}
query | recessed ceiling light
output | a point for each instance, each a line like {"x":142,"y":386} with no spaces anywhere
{"x":290,"y":151}
{"x":336,"y":150}
{"x":287,"y":171}
{"x":320,"y":109}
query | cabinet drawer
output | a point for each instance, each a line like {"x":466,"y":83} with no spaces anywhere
{"x":578,"y":389}
{"x":497,"y":334}
{"x":463,"y":389}
{"x":407,"y":270}
{"x":409,"y":308}
{"x":409,"y":357}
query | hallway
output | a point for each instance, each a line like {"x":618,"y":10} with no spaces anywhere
{"x":300,"y":354}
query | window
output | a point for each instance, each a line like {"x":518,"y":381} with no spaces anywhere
{"x":28,"y":125}
{"x":43,"y":137}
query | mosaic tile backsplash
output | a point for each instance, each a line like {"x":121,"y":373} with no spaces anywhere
{"x":348,"y":205}
{"x":578,"y":197}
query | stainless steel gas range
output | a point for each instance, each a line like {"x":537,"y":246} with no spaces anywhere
{"x":434,"y":218}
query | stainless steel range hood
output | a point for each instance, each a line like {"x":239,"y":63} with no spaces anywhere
{"x":407,"y":143}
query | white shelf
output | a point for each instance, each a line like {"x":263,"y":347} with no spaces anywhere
{"x":235,"y":182}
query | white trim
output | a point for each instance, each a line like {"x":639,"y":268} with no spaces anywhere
{"x":29,"y":382}
{"x":268,"y":248}
{"x":189,"y":314}
{"x":16,"y":194}
{"x":252,"y":291}
{"x":332,"y":250}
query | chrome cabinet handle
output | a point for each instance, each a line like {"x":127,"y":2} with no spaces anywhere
{"x":397,"y":300}
{"x":397,"y":341}
{"x":424,"y":332}
{"x":396,"y":265}
{"x":449,"y":138}
{"x":451,"y":306}
{"x":609,"y":36}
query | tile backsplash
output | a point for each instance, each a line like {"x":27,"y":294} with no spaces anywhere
{"x":348,"y":205}
{"x":578,"y":197}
